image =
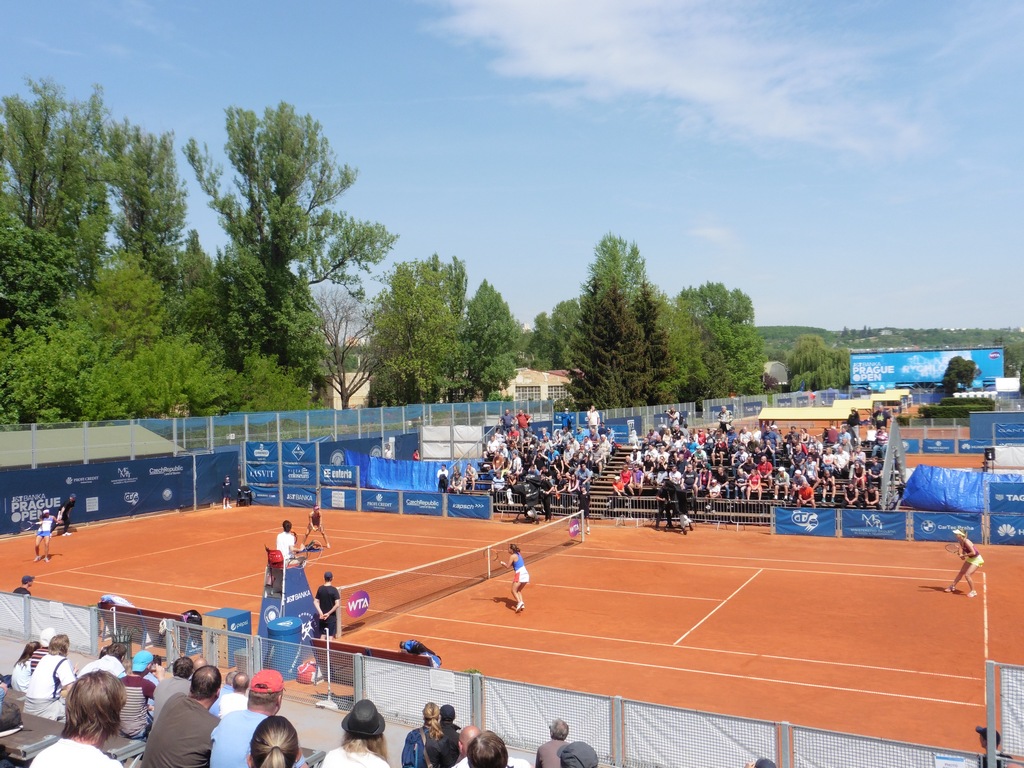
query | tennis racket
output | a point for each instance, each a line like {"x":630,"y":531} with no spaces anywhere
{"x":497,"y":557}
{"x":28,"y":524}
{"x":955,"y":549}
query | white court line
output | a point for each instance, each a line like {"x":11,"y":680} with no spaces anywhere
{"x":753,"y":678}
{"x":627,"y":592}
{"x":80,"y":572}
{"x":777,"y":570}
{"x":702,"y":649}
{"x":720,"y":605}
{"x":326,"y":562}
{"x":984,"y":608}
{"x":747,"y":558}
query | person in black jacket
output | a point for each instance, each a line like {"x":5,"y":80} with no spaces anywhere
{"x":444,"y":752}
{"x":64,"y":514}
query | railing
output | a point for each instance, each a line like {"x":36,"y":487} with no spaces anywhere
{"x":628,"y":733}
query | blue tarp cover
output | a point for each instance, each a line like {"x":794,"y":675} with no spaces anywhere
{"x":951,"y":490}
{"x":398,"y":475}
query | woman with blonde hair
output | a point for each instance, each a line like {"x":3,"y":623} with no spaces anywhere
{"x":420,"y":739}
{"x":274,"y":744}
{"x":363,"y":745}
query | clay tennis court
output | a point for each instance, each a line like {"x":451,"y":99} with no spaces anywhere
{"x":848,"y":635}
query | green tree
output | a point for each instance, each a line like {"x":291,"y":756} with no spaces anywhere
{"x":607,"y":350}
{"x":699,"y":369}
{"x":263,"y":385}
{"x":49,"y":375}
{"x":283,"y":218}
{"x":490,"y":337}
{"x":150,"y":199}
{"x":415,"y":333}
{"x":960,"y":374}
{"x":126,"y":307}
{"x":53,"y":157}
{"x":729,"y":318}
{"x":620,"y":262}
{"x":657,"y":371}
{"x":547,"y":347}
{"x":35,"y":275}
{"x":814,"y":365}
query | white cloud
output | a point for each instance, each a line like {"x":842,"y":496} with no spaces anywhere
{"x":721,"y":237}
{"x":728,"y":65}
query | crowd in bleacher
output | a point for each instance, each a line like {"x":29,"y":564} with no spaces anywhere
{"x":681,"y":466}
{"x":188,"y":717}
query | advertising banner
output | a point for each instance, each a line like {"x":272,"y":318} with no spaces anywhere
{"x":971,"y":446}
{"x":886,"y":370}
{"x":102,"y":491}
{"x":1006,"y":497}
{"x":299,"y":497}
{"x":261,"y":474}
{"x":1006,"y":529}
{"x":752,"y":409}
{"x":414,"y":503}
{"x":912,"y":446}
{"x":265,"y":496}
{"x":938,"y":526}
{"x":805,"y":522}
{"x":478,"y":507}
{"x":938,"y":445}
{"x":332,"y":498}
{"x":298,"y":453}
{"x":379,"y":501}
{"x":261,"y":453}
{"x":337,"y":475}
{"x":866,"y":524}
{"x":299,"y":474}
{"x":1009,"y":431}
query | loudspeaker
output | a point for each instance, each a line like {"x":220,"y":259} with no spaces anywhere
{"x":990,"y":454}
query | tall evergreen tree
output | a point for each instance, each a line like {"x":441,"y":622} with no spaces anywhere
{"x":607,"y":350}
{"x":658,"y":366}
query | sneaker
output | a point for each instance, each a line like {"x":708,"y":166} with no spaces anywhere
{"x":38,"y":558}
{"x":972,"y":593}
{"x":67,"y":534}
{"x":47,"y":559}
{"x":588,"y":529}
{"x":520,"y":607}
{"x":949,"y":589}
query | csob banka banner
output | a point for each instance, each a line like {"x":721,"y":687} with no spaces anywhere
{"x":806,"y":522}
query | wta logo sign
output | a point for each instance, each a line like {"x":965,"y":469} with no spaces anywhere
{"x":574,"y":528}
{"x":357,"y":604}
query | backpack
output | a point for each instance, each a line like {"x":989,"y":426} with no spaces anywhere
{"x":414,"y":753}
{"x":307,"y":673}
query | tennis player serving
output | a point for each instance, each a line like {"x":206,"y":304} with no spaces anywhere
{"x":972,"y":560}
{"x":521,"y":577}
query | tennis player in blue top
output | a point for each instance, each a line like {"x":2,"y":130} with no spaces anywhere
{"x":521,"y":577}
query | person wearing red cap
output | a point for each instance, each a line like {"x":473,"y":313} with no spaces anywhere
{"x":232,"y":735}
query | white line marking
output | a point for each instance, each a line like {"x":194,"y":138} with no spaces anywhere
{"x":626,"y":592}
{"x":754,"y":558}
{"x":699,"y":648}
{"x":984,"y":608}
{"x":710,"y":673}
{"x":325,"y":558}
{"x":717,"y":607}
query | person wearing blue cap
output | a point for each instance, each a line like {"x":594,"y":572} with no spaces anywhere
{"x":1002,"y":759}
{"x":26,"y":582}
{"x":329,"y":600}
{"x":135,"y":715}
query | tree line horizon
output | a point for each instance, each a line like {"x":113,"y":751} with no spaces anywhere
{"x":111,"y":308}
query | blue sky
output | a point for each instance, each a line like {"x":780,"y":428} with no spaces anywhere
{"x":844,"y":164}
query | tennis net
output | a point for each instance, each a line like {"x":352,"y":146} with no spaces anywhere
{"x":384,"y":597}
